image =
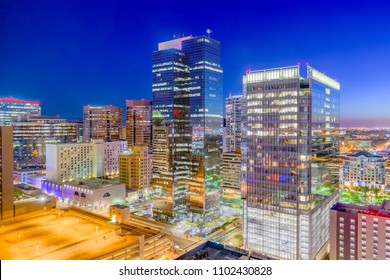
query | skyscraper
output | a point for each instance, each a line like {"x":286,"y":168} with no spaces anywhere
{"x":206,"y":119}
{"x":102,"y":122}
{"x":11,"y":109}
{"x":232,"y":140}
{"x":289,"y":146}
{"x":138,"y":122}
{"x":6,"y":173}
{"x":187,"y":94}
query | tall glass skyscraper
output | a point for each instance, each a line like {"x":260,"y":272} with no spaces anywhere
{"x":187,"y":94}
{"x":206,"y":117}
{"x":171,"y":131}
{"x":289,"y":149}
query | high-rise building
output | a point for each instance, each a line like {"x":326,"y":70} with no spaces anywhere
{"x":31,"y":134}
{"x":11,"y":109}
{"x":6,"y":173}
{"x":102,"y":122}
{"x":206,"y":120}
{"x":138,"y":122}
{"x":66,"y":162}
{"x":360,"y":232}
{"x":170,"y":171}
{"x":171,"y":142}
{"x":232,"y":140}
{"x":187,"y":75}
{"x":231,"y":175}
{"x":363,"y":169}
{"x":135,"y":167}
{"x":289,"y":149}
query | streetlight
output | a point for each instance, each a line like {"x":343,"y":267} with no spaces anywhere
{"x":37,"y":246}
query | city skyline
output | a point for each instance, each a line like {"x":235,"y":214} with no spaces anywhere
{"x":104,"y":58}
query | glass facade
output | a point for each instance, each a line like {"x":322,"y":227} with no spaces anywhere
{"x":232,"y":139}
{"x":171,"y":134}
{"x":187,"y":98}
{"x":11,"y":108}
{"x":32,"y":134}
{"x":289,"y":148}
{"x":102,"y":122}
{"x":138,"y":122}
{"x":206,"y":117}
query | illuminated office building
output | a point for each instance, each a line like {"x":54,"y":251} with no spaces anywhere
{"x":31,"y":134}
{"x":232,"y":140}
{"x":11,"y":108}
{"x":102,"y":122}
{"x":289,"y":148}
{"x":363,"y":169}
{"x":171,"y":131}
{"x":135,"y":167}
{"x":187,"y":87}
{"x":206,"y":120}
{"x":6,"y":173}
{"x":138,"y":122}
{"x":66,"y":162}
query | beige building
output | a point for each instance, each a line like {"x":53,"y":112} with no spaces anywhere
{"x":66,"y":162}
{"x":231,"y":175}
{"x":360,"y":232}
{"x":6,"y":172}
{"x":135,"y":167}
{"x":102,"y":122}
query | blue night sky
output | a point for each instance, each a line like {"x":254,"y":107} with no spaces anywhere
{"x":70,"y":53}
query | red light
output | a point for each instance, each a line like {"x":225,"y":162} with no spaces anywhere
{"x":176,"y":112}
{"x":11,"y":100}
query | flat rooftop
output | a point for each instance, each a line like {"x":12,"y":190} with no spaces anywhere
{"x":92,"y":183}
{"x":381,"y":211}
{"x":216,"y":251}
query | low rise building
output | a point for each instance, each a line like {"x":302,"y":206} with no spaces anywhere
{"x":360,"y":232}
{"x":93,"y":194}
{"x":363,"y":169}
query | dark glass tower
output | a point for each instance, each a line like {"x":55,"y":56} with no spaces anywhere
{"x":187,"y":97}
{"x":171,"y":132}
{"x":206,"y":103}
{"x":289,"y":160}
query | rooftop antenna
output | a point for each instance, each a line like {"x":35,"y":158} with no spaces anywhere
{"x":209,"y":31}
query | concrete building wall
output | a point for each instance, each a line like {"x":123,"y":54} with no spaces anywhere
{"x":6,"y":172}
